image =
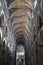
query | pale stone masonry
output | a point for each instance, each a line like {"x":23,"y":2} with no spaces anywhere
{"x":20,"y":12}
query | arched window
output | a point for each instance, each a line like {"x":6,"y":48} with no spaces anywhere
{"x":39,"y":22}
{"x":1,"y":20}
{"x":20,"y":55}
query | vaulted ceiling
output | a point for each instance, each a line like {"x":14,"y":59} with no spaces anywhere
{"x":10,"y":1}
{"x":20,"y":16}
